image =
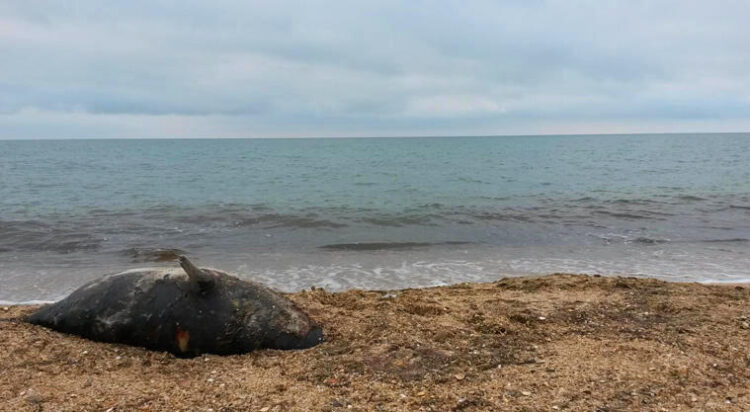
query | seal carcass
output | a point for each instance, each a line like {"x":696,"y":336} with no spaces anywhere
{"x":199,"y":311}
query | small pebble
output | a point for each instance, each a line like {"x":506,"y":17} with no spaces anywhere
{"x":33,"y":397}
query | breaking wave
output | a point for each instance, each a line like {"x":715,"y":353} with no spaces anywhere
{"x":364,"y":246}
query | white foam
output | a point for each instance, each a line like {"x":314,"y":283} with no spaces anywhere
{"x":724,"y":281}
{"x":387,"y":270}
{"x":26,"y":302}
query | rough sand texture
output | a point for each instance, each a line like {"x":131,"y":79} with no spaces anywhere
{"x":556,"y":342}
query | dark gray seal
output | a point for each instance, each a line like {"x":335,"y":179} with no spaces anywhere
{"x":186,"y":313}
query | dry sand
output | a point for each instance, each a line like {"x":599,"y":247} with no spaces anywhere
{"x":559,"y":342}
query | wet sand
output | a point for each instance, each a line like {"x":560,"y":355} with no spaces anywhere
{"x":559,"y":342}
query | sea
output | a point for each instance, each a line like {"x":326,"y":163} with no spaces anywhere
{"x":375,"y":213}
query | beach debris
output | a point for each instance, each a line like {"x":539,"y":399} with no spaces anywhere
{"x":186,"y":311}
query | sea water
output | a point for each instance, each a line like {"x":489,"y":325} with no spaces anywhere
{"x":376,"y":213}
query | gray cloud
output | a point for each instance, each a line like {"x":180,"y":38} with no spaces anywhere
{"x":194,"y":69}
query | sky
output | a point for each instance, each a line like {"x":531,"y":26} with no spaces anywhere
{"x":160,"y":69}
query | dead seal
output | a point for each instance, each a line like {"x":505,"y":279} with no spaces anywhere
{"x":200,"y":310}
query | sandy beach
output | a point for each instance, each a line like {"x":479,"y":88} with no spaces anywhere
{"x":559,"y":342}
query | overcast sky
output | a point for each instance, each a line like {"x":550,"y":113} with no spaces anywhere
{"x":382,"y":68}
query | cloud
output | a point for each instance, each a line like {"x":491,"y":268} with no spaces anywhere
{"x":233,"y":69}
{"x":453,"y":105}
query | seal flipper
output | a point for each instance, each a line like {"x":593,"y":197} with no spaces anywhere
{"x":202,"y":279}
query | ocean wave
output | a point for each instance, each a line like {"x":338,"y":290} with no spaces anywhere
{"x":648,"y":241}
{"x":369,"y":246}
{"x":141,"y":255}
{"x":691,"y":198}
{"x":258,"y":226}
{"x":621,"y":215}
{"x":41,"y":236}
{"x":275,"y":220}
{"x":623,"y":238}
{"x":625,"y":201}
{"x":396,"y":220}
{"x":502,"y":216}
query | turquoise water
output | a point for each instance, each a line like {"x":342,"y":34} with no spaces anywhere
{"x":376,"y":213}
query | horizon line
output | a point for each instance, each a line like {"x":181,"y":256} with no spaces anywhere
{"x":370,"y":137}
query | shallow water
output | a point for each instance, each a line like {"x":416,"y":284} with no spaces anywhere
{"x":375,"y":213}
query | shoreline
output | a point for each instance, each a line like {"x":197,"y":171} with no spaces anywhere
{"x":562,"y":342}
{"x":440,"y":284}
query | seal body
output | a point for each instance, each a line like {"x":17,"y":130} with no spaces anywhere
{"x":170,"y":310}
